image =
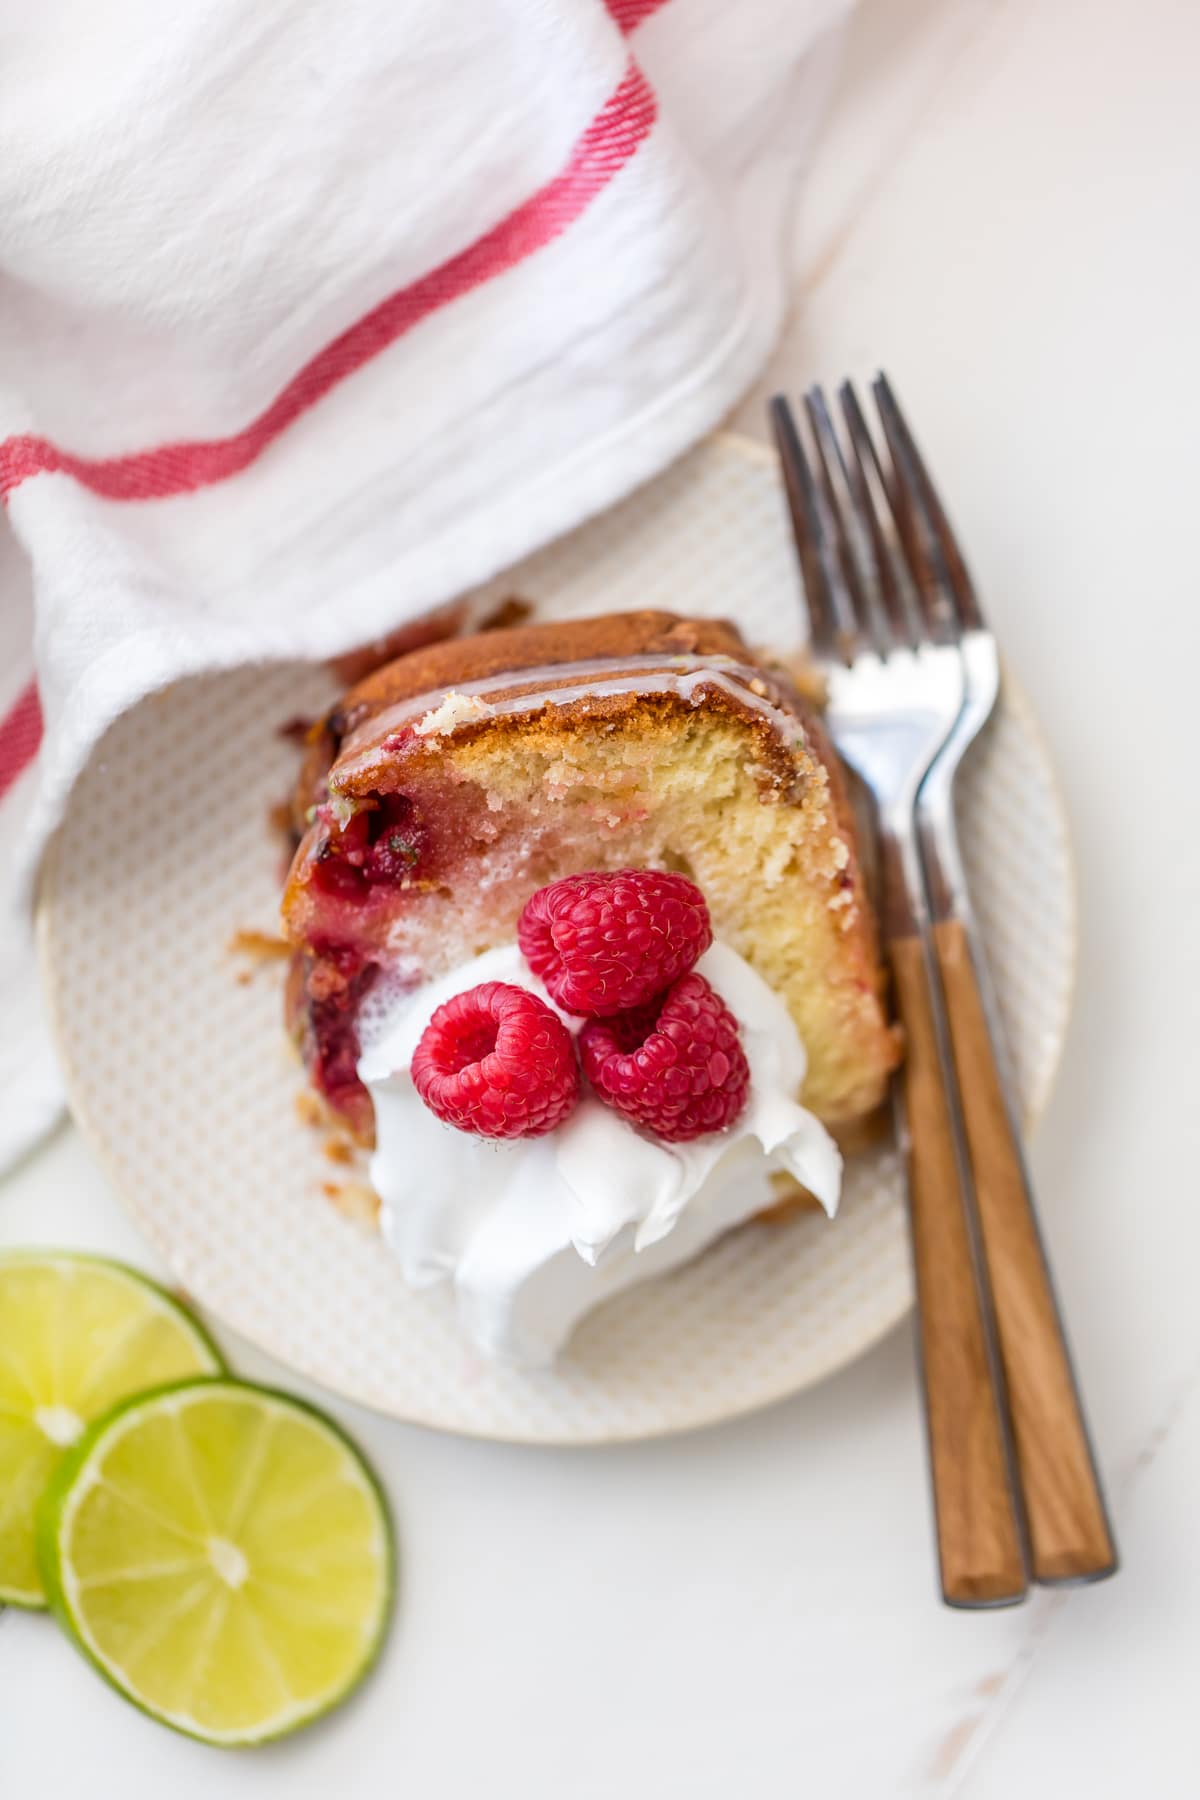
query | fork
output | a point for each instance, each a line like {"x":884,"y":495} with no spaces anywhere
{"x":1070,"y":1537}
{"x":894,"y":694}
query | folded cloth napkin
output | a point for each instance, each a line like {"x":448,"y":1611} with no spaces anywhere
{"x":313,"y":313}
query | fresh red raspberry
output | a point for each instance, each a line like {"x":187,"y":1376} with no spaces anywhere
{"x":675,"y":1066}
{"x":604,"y":943}
{"x":498,"y":1062}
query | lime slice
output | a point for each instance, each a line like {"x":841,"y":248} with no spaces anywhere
{"x":223,"y":1555}
{"x":77,"y":1334}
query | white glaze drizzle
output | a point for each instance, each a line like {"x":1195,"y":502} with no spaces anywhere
{"x":567,"y":683}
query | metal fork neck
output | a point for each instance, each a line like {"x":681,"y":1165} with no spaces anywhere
{"x":945,"y":878}
{"x":903,"y":912}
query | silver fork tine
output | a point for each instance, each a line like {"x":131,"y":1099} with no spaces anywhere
{"x":870,"y":489}
{"x":853,"y":553}
{"x":958,"y":576}
{"x":797,"y":480}
{"x":909,"y":497}
{"x":830,"y":606}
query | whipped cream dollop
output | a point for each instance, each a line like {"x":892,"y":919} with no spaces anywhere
{"x":534,"y":1232}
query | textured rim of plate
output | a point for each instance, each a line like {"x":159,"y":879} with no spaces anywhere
{"x":770,"y":1394}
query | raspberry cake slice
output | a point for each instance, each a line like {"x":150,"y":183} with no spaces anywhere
{"x":626,"y":835}
{"x":451,"y":784}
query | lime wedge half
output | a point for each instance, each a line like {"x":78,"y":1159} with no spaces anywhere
{"x":77,"y":1334}
{"x":223,"y":1555}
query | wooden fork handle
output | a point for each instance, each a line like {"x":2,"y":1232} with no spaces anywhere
{"x":1069,"y":1535}
{"x":979,"y":1540}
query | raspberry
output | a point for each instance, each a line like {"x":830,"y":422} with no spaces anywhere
{"x":380,"y":845}
{"x":605,"y":943}
{"x":675,"y":1066}
{"x":498,"y":1062}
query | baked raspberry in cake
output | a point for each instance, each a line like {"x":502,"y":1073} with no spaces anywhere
{"x":449,"y":786}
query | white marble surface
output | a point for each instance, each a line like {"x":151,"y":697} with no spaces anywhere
{"x":1002,"y":212}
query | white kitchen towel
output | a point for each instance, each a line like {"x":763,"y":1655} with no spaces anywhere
{"x":313,"y":313}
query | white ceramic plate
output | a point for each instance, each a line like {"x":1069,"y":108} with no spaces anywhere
{"x":180,"y":1074}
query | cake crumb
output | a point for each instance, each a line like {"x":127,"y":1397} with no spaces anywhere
{"x":259,"y":945}
{"x":279,"y":819}
{"x":354,"y":1200}
{"x":309,"y":1110}
{"x":455,"y":710}
{"x":296,"y":730}
{"x":338,"y":1149}
{"x":511,"y":611}
{"x":804,"y":675}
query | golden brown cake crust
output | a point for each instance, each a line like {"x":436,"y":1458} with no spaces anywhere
{"x":441,"y":666}
{"x":455,"y":660}
{"x":764,"y":699}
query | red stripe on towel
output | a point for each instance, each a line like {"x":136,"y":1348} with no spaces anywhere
{"x":20,"y":735}
{"x":606,"y":146}
{"x":627,"y":15}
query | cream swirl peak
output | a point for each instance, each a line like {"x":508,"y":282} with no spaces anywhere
{"x":533,"y":1233}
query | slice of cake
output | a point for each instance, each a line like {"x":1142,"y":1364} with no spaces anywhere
{"x":452,"y":786}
